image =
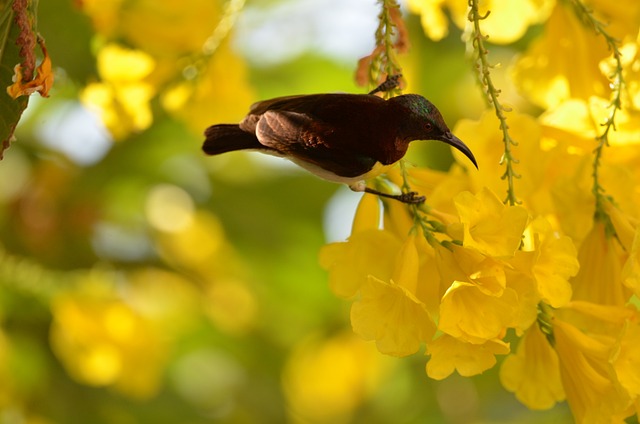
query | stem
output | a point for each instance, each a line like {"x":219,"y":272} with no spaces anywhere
{"x":384,"y":63}
{"x":230,"y":15}
{"x":491,"y":94}
{"x":617,"y":85}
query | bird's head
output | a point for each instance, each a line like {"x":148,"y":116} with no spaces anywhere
{"x":423,"y":121}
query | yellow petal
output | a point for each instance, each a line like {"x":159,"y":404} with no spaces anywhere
{"x":463,"y":303}
{"x":490,"y":226}
{"x":393,"y":317}
{"x":533,"y":372}
{"x":371,"y":252}
{"x":449,"y":354}
{"x":367,"y":216}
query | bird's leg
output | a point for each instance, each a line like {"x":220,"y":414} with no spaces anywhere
{"x":411,"y":197}
{"x":389,"y":84}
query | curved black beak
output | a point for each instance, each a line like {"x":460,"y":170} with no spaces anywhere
{"x":454,"y":141}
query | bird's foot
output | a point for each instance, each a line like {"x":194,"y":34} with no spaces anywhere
{"x":412,"y":197}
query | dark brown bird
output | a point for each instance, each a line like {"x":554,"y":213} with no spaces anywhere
{"x":345,"y":138}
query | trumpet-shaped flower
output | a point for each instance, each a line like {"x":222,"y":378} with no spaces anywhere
{"x":600,"y":277}
{"x":390,"y":313}
{"x":392,"y":316}
{"x":593,"y":393}
{"x":533,"y":372}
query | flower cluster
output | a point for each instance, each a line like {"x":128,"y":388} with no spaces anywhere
{"x":550,"y":279}
{"x":144,"y":54}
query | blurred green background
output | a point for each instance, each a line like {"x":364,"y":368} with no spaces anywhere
{"x":142,"y":282}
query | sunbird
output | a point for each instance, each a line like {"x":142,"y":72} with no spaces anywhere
{"x":344,"y":138}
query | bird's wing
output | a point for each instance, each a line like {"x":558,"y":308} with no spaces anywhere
{"x":286,"y":131}
{"x":310,"y":140}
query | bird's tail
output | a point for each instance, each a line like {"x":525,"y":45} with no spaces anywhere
{"x":224,"y":138}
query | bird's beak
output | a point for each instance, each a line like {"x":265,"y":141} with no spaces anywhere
{"x":454,"y":141}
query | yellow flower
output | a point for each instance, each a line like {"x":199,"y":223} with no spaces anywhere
{"x":507,"y":22}
{"x":563,"y":62}
{"x":200,"y":228}
{"x":626,"y":358}
{"x":593,"y":393}
{"x":473,"y":316}
{"x":325,"y":380}
{"x":122,"y":98}
{"x":434,"y":20}
{"x":551,"y":261}
{"x":392,"y":316}
{"x":367,"y":216}
{"x":533,"y":372}
{"x":103,"y":341}
{"x":449,"y":354}
{"x":166,"y":28}
{"x":579,"y":121}
{"x":539,"y":171}
{"x":631,"y":270}
{"x":371,"y":252}
{"x":600,"y":277}
{"x":220,"y":94}
{"x":390,"y":313}
{"x":489,"y":226}
{"x":458,"y":263}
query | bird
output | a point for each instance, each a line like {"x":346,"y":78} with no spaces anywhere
{"x":340,"y":137}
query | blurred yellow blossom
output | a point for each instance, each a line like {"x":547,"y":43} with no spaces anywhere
{"x":197,"y":84}
{"x":326,"y":379}
{"x":122,"y":98}
{"x":156,"y":27}
{"x":159,"y":27}
{"x":533,"y":372}
{"x":563,"y":63}
{"x":449,"y":354}
{"x":507,"y":22}
{"x":203,"y":231}
{"x":103,"y":14}
{"x":232,"y":305}
{"x":220,"y":94}
{"x":103,"y":341}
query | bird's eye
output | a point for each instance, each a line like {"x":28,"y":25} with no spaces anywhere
{"x":428,"y":126}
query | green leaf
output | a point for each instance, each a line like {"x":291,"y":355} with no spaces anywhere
{"x":11,"y":55}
